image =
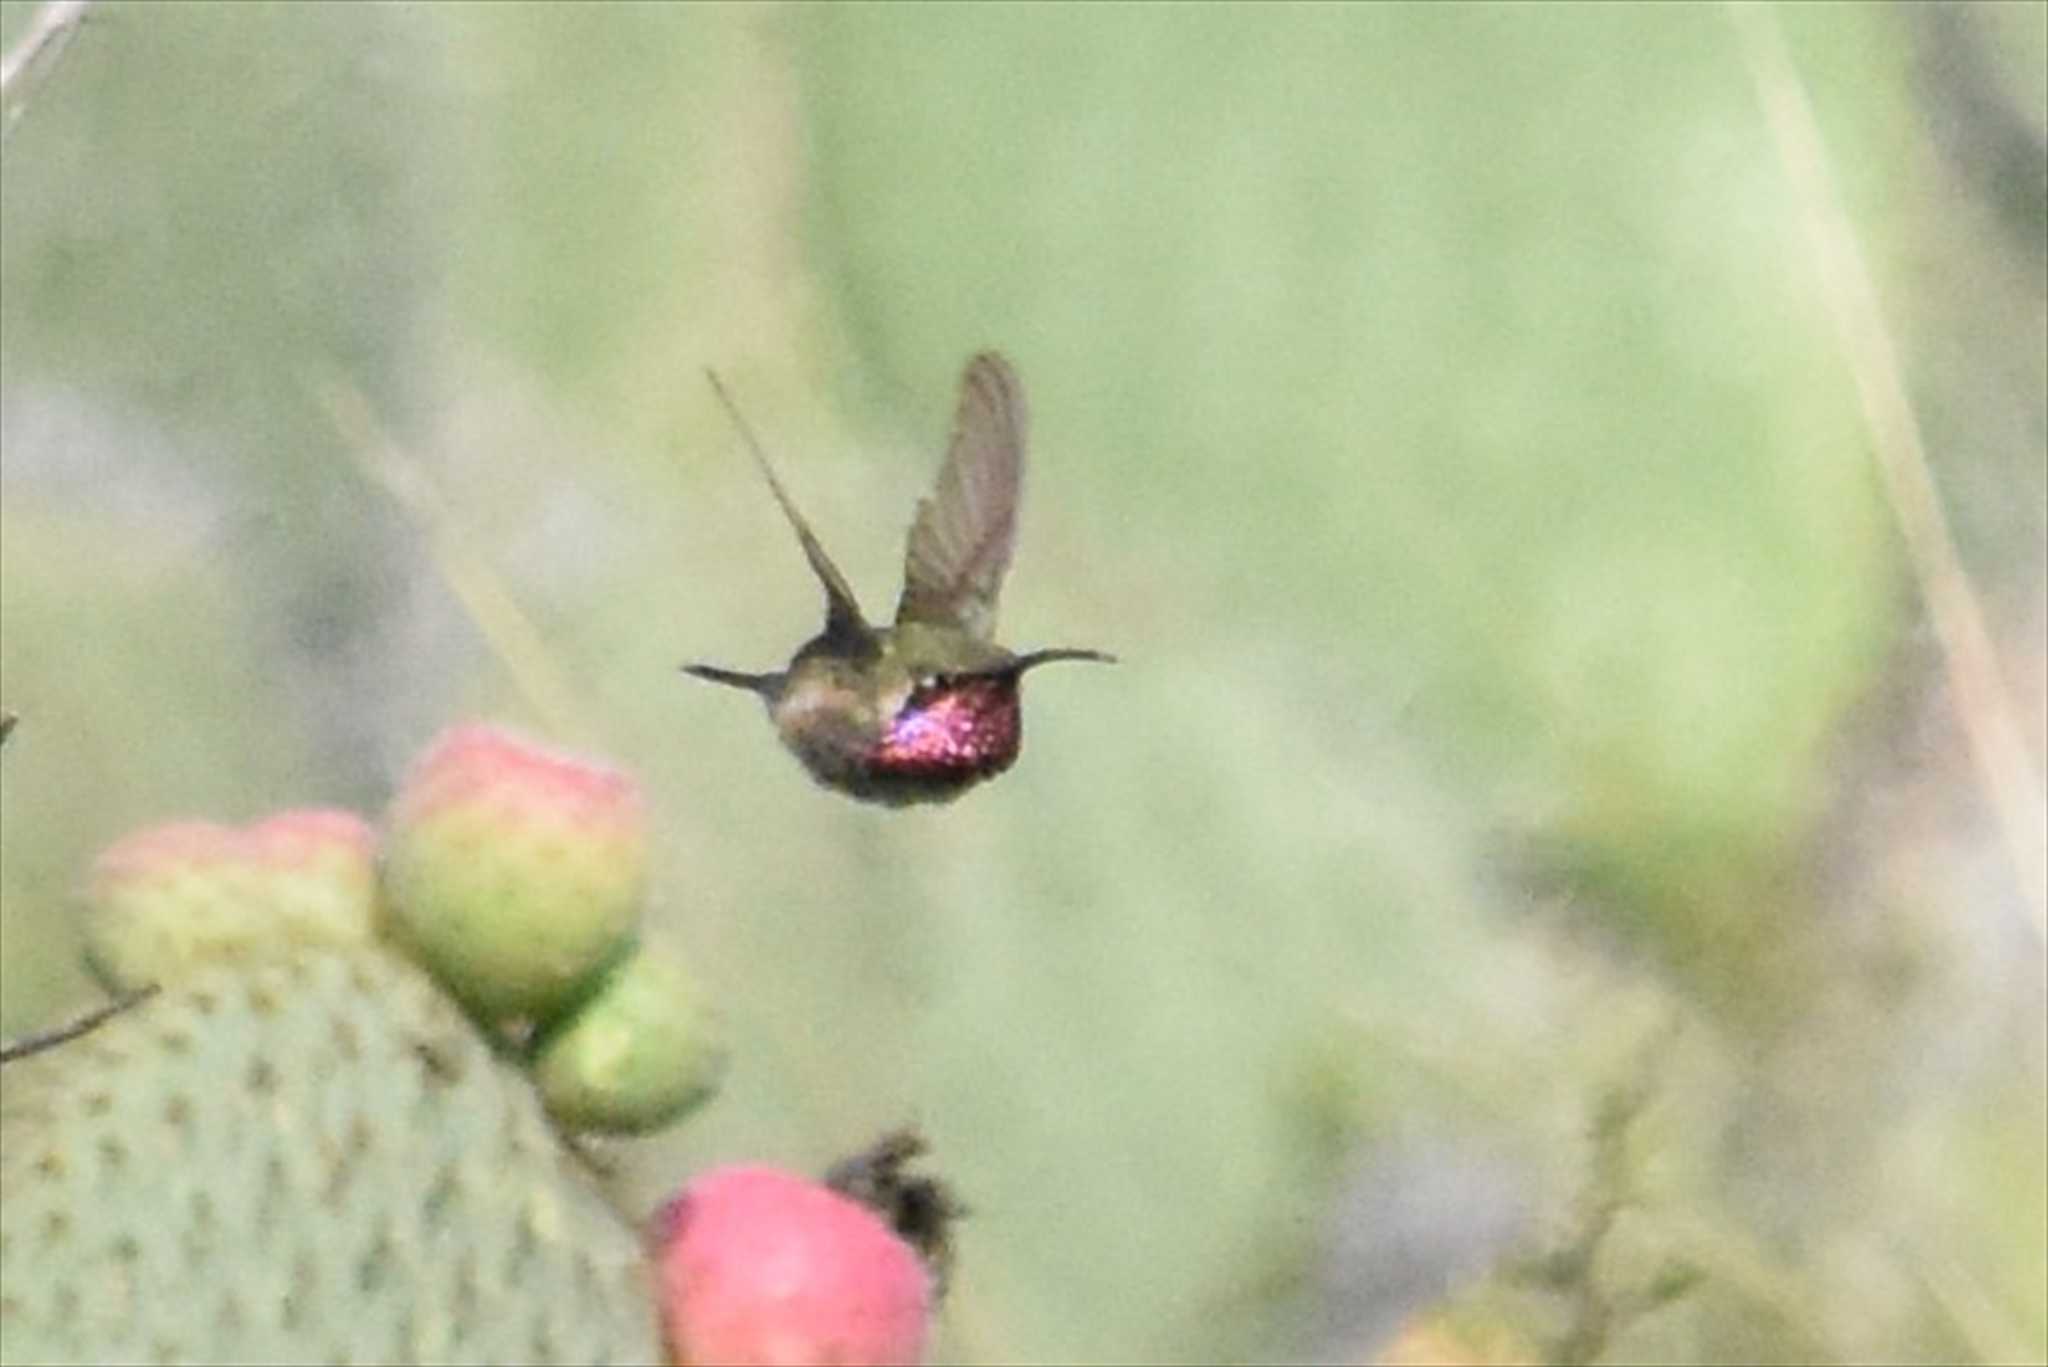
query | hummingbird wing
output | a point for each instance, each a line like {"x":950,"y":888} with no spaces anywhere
{"x":844,"y":624}
{"x":960,"y":543}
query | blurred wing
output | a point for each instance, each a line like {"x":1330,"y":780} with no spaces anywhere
{"x":844,"y":625}
{"x":961,"y":541}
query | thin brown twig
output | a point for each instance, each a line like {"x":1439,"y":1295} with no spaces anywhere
{"x":1998,"y":747}
{"x":50,"y":30}
{"x":73,"y":1029}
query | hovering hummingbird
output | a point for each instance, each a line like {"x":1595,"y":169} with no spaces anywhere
{"x":923,"y":710}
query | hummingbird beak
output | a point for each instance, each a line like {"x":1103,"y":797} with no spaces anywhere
{"x":1046,"y":657}
{"x":764,"y":685}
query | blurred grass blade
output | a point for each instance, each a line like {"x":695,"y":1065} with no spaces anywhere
{"x":509,"y":632}
{"x":50,"y":30}
{"x":2011,"y":780}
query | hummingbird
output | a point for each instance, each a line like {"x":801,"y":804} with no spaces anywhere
{"x":924,"y":709}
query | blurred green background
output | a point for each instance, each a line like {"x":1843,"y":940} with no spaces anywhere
{"x":1528,"y":818}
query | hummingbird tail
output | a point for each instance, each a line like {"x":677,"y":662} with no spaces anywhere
{"x":766,"y":685}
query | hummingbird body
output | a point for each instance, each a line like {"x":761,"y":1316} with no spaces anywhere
{"x":925,"y":709}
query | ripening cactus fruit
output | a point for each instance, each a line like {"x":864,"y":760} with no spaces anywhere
{"x":165,"y":899}
{"x":313,"y":1157}
{"x":514,"y":873}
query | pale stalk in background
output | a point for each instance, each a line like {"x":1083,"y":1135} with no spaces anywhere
{"x":1998,"y":747}
{"x":50,"y":30}
{"x":507,"y":630}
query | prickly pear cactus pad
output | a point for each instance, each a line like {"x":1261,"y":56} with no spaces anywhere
{"x":310,"y":1158}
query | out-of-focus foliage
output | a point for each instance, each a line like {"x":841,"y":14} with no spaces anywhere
{"x":1523,"y":699}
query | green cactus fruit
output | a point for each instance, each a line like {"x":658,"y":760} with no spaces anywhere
{"x":165,"y":899}
{"x":514,"y":873}
{"x":636,"y":1055}
{"x":314,"y":1158}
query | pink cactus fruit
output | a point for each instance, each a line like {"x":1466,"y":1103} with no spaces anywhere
{"x":513,"y":872}
{"x":165,"y":898}
{"x":757,"y":1266}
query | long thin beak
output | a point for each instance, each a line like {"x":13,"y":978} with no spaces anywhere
{"x":765,"y":685}
{"x":1046,"y":657}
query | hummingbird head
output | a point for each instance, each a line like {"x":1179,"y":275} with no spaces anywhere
{"x":946,"y":731}
{"x":894,"y":730}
